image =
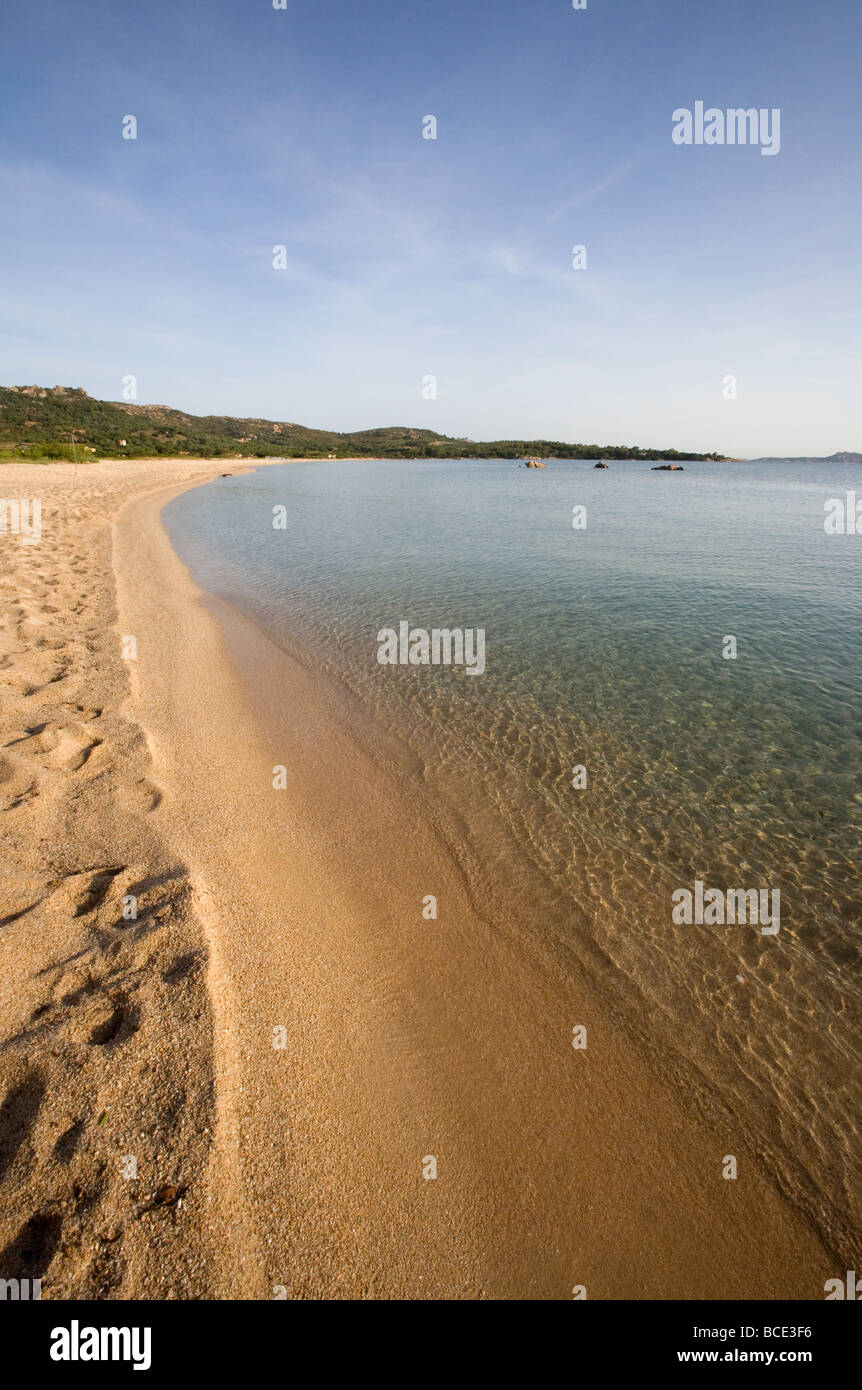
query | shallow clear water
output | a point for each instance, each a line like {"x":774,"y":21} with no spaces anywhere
{"x":604,"y":649}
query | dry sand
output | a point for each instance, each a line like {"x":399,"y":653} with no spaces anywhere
{"x":263,"y":1169}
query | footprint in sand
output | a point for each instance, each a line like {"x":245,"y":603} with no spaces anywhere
{"x":17,"y":783}
{"x":112,"y":1020}
{"x":184,"y":966}
{"x":18,"y":1114}
{"x":142,"y":795}
{"x":39,"y":670}
{"x":87,"y":890}
{"x":66,"y":1145}
{"x":67,"y":749}
{"x":30,"y":1253}
{"x":24,"y":903}
{"x":19,"y":796}
{"x":71,"y":752}
{"x":21,"y":735}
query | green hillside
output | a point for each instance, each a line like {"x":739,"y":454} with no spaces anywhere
{"x":43,"y":422}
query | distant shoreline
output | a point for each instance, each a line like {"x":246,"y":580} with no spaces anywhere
{"x":66,"y":419}
{"x":607,"y":454}
{"x":810,"y":458}
{"x":243,"y":461}
{"x":254,"y":459}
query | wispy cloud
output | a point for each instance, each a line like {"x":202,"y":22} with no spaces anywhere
{"x":589,"y":195}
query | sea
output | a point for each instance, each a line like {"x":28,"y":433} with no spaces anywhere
{"x":670,"y":696}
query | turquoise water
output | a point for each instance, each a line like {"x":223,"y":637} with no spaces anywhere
{"x":604,"y":649}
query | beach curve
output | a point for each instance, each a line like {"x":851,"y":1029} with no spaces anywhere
{"x":403,"y":1039}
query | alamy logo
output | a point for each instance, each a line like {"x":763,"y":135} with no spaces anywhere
{"x":736,"y":126}
{"x":22,"y":518}
{"x":849,"y":1288}
{"x":713,"y":908}
{"x":21,"y":1290}
{"x":440,"y":647}
{"x":843,"y":516}
{"x":76,"y":1343}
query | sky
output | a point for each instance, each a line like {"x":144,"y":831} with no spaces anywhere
{"x":409,"y":258}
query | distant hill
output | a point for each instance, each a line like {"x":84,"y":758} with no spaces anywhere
{"x":40,"y":422}
{"x":832,"y":458}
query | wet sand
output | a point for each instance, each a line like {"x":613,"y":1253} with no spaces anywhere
{"x":298,"y":908}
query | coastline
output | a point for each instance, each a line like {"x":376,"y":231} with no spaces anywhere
{"x":404,"y":1038}
{"x":409,"y":1038}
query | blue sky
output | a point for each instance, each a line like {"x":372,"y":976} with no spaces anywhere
{"x":453,"y":258}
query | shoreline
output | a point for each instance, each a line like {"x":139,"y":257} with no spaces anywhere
{"x":404,"y":1038}
{"x":482,"y":1031}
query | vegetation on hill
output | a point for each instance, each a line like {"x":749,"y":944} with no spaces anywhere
{"x":62,"y":421}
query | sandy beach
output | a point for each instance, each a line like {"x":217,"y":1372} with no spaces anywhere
{"x":277,"y":1038}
